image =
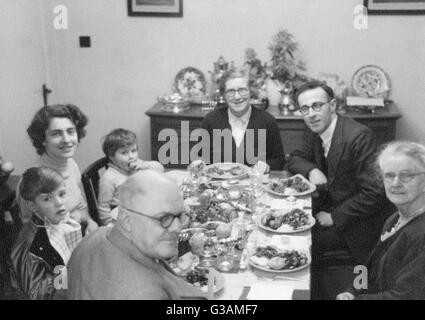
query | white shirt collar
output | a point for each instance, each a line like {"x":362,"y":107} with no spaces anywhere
{"x":239,"y":125}
{"x":327,"y":135}
{"x":243,"y":119}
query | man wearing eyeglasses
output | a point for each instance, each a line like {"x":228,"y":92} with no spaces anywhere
{"x":243,"y":122}
{"x":127,"y":260}
{"x":337,"y":156}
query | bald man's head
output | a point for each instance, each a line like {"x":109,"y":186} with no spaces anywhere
{"x":145,"y":199}
{"x":148,"y":191}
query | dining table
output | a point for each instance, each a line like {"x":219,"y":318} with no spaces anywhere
{"x":251,"y":282}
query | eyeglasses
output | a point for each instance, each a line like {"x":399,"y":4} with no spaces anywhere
{"x":403,"y":176}
{"x":166,"y":220}
{"x":317,"y":106}
{"x":243,"y":92}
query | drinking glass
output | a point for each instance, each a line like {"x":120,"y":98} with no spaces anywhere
{"x":255,"y":177}
{"x":225,"y":258}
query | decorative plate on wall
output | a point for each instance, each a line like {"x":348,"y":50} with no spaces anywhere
{"x":371,"y":81}
{"x":190,"y":82}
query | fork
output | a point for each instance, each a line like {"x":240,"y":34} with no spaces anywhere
{"x":280,"y":278}
{"x":285,"y":278}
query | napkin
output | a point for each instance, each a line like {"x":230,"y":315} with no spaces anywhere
{"x":270,"y":291}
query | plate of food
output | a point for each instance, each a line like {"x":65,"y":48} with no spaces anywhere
{"x":214,"y":211}
{"x":226,"y":170}
{"x":276,"y":260}
{"x":209,"y":235}
{"x":190,"y":82}
{"x":184,"y":263}
{"x":293,"y":186}
{"x":281,"y":222}
{"x":198,"y":277}
{"x":371,"y":82}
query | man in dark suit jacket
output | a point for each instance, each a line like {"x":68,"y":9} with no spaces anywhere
{"x":338,"y":155}
{"x":250,"y":133}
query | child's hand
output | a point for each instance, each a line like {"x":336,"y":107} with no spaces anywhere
{"x":139,"y":165}
{"x":91,"y":226}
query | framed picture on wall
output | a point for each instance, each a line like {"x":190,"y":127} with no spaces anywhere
{"x":155,"y":8}
{"x":384,"y":7}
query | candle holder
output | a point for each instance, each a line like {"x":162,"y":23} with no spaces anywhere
{"x":287,"y":101}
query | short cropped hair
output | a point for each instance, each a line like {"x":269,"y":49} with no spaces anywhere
{"x":413,"y":150}
{"x":235,"y":74}
{"x":310,"y":85}
{"x":41,"y":120}
{"x":37,"y":180}
{"x":118,"y":138}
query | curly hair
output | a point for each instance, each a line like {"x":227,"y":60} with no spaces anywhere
{"x":410,"y":149}
{"x":41,"y":120}
{"x":118,"y":138}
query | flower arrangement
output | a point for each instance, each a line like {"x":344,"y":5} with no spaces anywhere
{"x":256,"y":71}
{"x":283,"y":63}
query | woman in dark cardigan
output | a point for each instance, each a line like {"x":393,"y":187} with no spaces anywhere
{"x":396,"y":267}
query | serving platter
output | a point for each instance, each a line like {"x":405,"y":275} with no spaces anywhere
{"x":193,"y":270}
{"x":279,"y":271}
{"x":264,"y":267}
{"x":190,"y":82}
{"x":218,"y":284}
{"x":174,"y":102}
{"x":371,"y":81}
{"x":277,"y":186}
{"x":226,"y":170}
{"x":286,"y":228}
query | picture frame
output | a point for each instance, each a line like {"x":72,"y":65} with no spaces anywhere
{"x":155,"y":8}
{"x":395,"y":7}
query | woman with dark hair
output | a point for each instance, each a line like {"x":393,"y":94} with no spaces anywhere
{"x":46,"y":241}
{"x":55,"y":132}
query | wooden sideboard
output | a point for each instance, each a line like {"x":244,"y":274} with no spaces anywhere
{"x":291,"y":125}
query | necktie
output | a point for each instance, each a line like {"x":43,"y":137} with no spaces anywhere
{"x":323,"y":161}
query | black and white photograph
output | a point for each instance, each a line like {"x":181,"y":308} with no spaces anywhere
{"x":229,"y":151}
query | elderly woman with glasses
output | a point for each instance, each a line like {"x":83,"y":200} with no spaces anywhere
{"x":396,"y":267}
{"x":250,"y":134}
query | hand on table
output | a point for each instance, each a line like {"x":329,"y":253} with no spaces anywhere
{"x":324,"y":219}
{"x":262,"y":167}
{"x":318,"y":178}
{"x":345,"y":296}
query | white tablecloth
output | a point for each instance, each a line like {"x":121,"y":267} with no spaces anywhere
{"x":261,"y":284}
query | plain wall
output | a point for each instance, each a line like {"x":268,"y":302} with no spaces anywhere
{"x":134,"y":59}
{"x":23,"y":70}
